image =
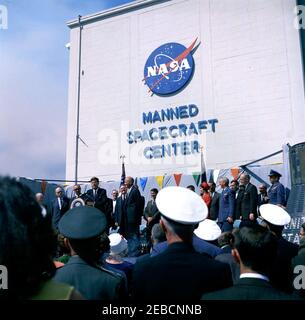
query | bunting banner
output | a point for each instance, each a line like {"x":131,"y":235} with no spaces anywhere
{"x":196,"y":176}
{"x":235,"y":172}
{"x":159,"y":180}
{"x":177,"y":177}
{"x":143,"y":182}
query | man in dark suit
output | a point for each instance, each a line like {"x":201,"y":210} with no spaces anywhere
{"x":151,"y":212}
{"x":255,"y":249}
{"x":298,"y":263}
{"x":239,"y":192}
{"x":263,"y":195}
{"x":214,"y":208}
{"x":179,"y":273}
{"x":60,"y":205}
{"x":119,"y":211}
{"x":134,"y":211}
{"x":77,"y":191}
{"x":99,"y":197}
{"x":84,"y":228}
{"x":248,"y":205}
{"x":226,"y":206}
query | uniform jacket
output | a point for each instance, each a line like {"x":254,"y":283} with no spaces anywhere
{"x":248,"y":289}
{"x":276,"y":194}
{"x":92,"y":282}
{"x":181,"y":275}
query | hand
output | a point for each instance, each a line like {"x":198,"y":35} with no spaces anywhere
{"x":251,"y":216}
{"x":230,"y":220}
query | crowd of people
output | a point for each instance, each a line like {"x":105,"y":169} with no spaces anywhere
{"x":216,"y":245}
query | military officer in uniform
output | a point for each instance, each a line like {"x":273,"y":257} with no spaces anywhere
{"x":82,"y":227}
{"x":276,"y":192}
{"x":276,"y":218}
{"x":179,"y":273}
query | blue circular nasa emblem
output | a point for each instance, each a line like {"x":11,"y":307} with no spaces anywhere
{"x":169,"y":68}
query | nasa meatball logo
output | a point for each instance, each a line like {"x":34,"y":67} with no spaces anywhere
{"x":169,"y":68}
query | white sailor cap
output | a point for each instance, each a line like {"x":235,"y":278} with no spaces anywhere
{"x":274,"y":214}
{"x":208,"y":230}
{"x":181,"y":205}
{"x":118,"y":243}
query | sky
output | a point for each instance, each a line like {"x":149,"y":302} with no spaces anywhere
{"x":34,"y":69}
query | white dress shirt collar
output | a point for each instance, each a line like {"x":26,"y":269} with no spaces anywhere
{"x":254,"y":275}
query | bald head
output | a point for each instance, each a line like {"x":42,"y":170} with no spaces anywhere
{"x":244,"y":179}
{"x":39,"y":197}
{"x":129,"y":181}
{"x":58,"y":192}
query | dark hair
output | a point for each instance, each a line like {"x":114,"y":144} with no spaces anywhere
{"x":94,"y":179}
{"x":226,"y":238}
{"x":277,"y":230}
{"x":212,"y":183}
{"x":303,"y":226}
{"x":191,"y":187}
{"x":157,"y":233}
{"x":155,"y":190}
{"x":257,"y":247}
{"x":87,"y":249}
{"x":27,"y":241}
{"x":235,"y":181}
{"x":183,"y":231}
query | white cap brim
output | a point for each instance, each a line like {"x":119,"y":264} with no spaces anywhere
{"x":181,"y":205}
{"x":274,"y":214}
{"x":208,"y":230}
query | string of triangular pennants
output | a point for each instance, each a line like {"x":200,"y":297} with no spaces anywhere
{"x":162,"y":180}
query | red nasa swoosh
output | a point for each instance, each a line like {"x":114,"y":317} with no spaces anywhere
{"x":182,"y":56}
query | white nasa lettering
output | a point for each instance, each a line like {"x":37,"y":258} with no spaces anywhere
{"x":185,"y":65}
{"x":162,"y":69}
{"x":151,"y":71}
{"x":173,"y":67}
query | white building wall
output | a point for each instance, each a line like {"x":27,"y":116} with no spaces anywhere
{"x":248,"y":75}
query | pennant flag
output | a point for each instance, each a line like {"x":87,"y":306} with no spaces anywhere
{"x":235,"y":172}
{"x":159,"y":180}
{"x":123,"y":176}
{"x":203,"y":168}
{"x":43,"y":186}
{"x":211,"y":179}
{"x":196,"y":177}
{"x":216,"y":173}
{"x":177,"y":177}
{"x":143,"y":182}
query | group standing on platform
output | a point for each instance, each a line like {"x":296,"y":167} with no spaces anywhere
{"x":216,"y":245}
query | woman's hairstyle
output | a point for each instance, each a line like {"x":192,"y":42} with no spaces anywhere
{"x":27,"y":240}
